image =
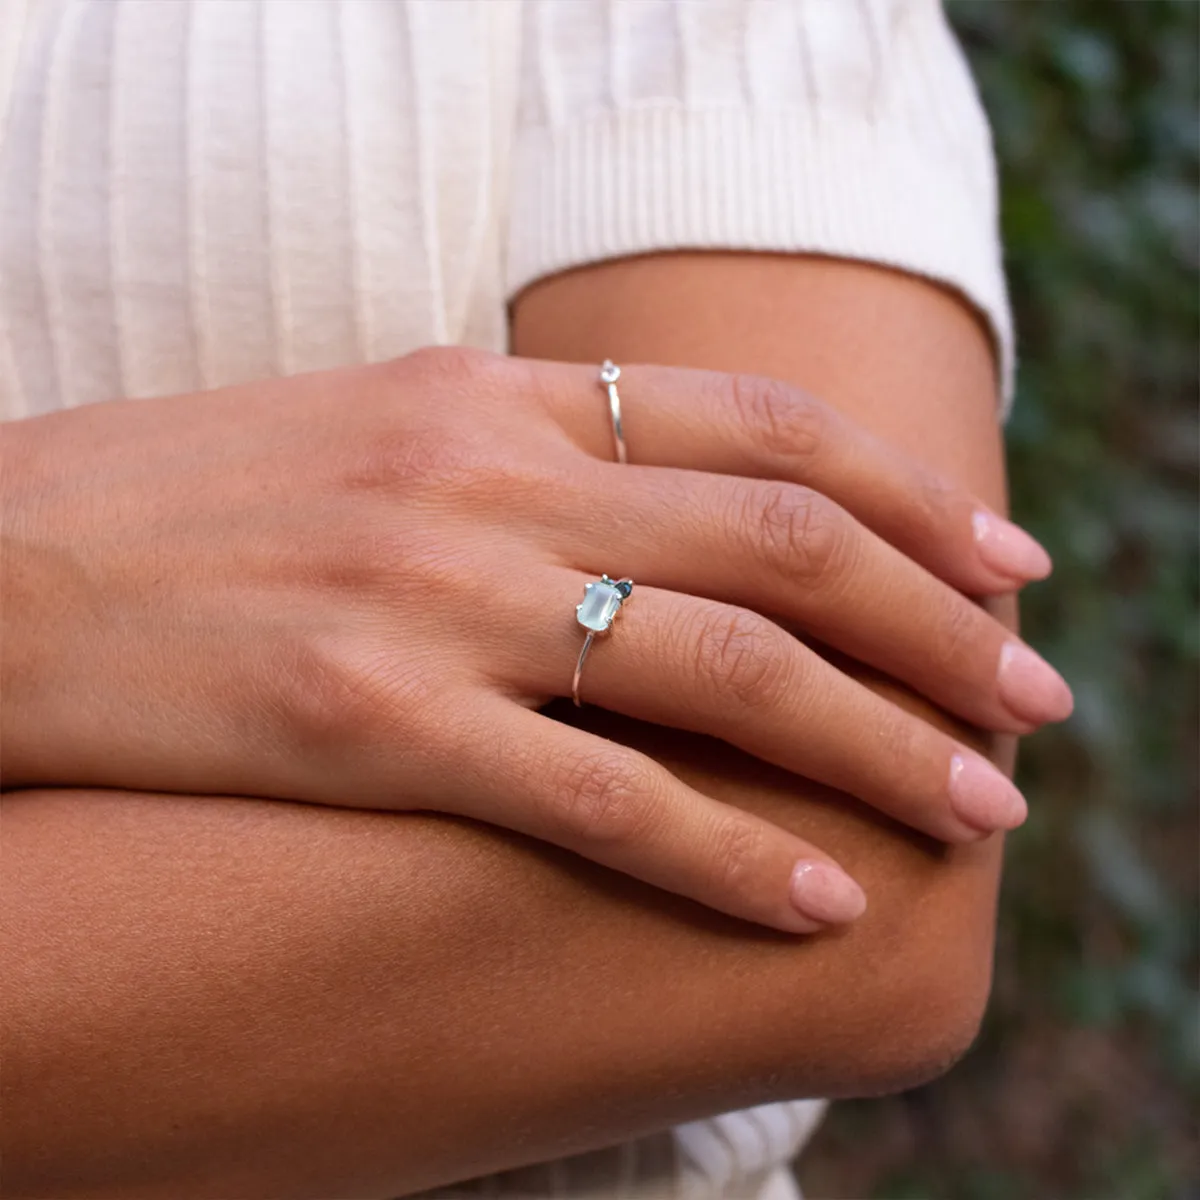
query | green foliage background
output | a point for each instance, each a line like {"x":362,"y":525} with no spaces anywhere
{"x":1084,"y":1083}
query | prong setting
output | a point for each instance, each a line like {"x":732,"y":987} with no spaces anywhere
{"x":602,"y":601}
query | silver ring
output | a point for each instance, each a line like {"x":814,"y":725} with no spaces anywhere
{"x":595,"y":612}
{"x":609,"y":374}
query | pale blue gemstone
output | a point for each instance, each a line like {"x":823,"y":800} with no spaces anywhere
{"x":600,"y":604}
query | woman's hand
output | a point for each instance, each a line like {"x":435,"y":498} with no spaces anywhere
{"x":363,"y":582}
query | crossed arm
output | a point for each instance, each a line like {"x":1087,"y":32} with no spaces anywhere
{"x":211,"y":997}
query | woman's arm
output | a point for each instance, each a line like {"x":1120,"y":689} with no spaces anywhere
{"x":206,"y":997}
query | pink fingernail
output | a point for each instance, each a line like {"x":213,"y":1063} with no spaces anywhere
{"x":1031,"y":688}
{"x":1008,"y":549}
{"x":824,"y":893}
{"x":982,"y":796}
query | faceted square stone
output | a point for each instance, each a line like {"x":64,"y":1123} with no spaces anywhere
{"x":600,"y":604}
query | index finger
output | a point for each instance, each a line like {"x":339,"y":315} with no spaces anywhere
{"x":748,"y":425}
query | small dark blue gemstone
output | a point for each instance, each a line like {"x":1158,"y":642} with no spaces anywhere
{"x":624,"y":586}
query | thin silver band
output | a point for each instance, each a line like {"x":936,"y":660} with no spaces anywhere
{"x":609,"y":374}
{"x":587,"y":645}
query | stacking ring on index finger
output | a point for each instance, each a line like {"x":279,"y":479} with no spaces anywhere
{"x":609,"y":374}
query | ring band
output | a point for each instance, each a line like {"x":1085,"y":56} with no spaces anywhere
{"x":595,"y":612}
{"x":609,"y":374}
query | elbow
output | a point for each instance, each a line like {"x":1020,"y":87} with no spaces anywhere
{"x":922,"y":1030}
{"x":909,"y":987}
{"x":925,"y":1001}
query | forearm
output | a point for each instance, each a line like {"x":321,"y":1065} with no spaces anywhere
{"x":382,"y":1003}
{"x":214,"y":997}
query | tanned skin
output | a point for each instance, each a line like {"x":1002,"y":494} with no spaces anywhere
{"x":207,"y":997}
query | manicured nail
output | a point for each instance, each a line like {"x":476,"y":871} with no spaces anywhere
{"x":1008,"y":549}
{"x":983,"y":797}
{"x":1031,"y":688}
{"x":826,"y":894}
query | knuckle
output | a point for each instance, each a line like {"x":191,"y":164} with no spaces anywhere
{"x":433,"y":383}
{"x":337,"y":695}
{"x":786,"y":421}
{"x":897,"y":742}
{"x":796,"y":531}
{"x":938,"y":501}
{"x":451,"y":443}
{"x":957,"y":645}
{"x":605,"y":797}
{"x":324,"y":700}
{"x":742,"y":656}
{"x":456,"y":365}
{"x":738,"y":854}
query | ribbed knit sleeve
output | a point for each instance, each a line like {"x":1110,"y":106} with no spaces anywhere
{"x":841,"y":127}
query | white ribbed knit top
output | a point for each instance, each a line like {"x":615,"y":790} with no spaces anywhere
{"x":208,"y":192}
{"x":194,"y":194}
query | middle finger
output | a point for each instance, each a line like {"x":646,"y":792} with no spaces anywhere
{"x":786,"y":550}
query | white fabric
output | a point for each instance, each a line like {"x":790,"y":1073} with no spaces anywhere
{"x":194,"y":194}
{"x":197,"y":194}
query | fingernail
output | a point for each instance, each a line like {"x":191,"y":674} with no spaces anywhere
{"x":1031,"y":688}
{"x":983,"y":797}
{"x":1008,"y":549}
{"x":826,"y":894}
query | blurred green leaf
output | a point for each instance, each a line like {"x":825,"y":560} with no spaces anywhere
{"x":1094,"y":1024}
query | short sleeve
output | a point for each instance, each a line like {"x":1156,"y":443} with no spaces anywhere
{"x":843,"y":127}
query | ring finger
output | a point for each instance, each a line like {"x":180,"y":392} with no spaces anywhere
{"x":784,"y":549}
